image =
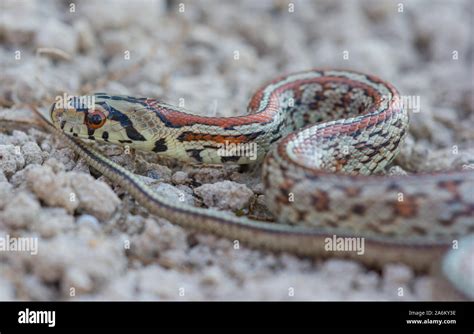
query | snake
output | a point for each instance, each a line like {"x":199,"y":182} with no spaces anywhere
{"x":323,"y":138}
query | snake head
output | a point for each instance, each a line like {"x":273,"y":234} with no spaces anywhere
{"x":80,"y":116}
{"x":100,"y":117}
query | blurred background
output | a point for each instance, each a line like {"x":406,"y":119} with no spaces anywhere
{"x":214,"y":54}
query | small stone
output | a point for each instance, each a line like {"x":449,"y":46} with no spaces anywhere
{"x":55,"y":34}
{"x":46,"y":147}
{"x":55,"y":164}
{"x":53,"y":189}
{"x":161,"y":173}
{"x":208,"y":175}
{"x":423,"y":288}
{"x":259,"y":209}
{"x":157,"y":239}
{"x":52,"y":221}
{"x":21,"y":211}
{"x":225,"y":195}
{"x":88,"y":220}
{"x":19,"y":23}
{"x":397,"y":274}
{"x":7,"y":290}
{"x":19,"y":138}
{"x":80,"y":260}
{"x":341,"y":267}
{"x":11,"y":159}
{"x":367,"y":281}
{"x":5,"y":193}
{"x":85,"y":34}
{"x":73,"y":191}
{"x":396,"y":170}
{"x":32,"y":153}
{"x":65,"y":156}
{"x":33,"y":288}
{"x":95,"y":197}
{"x":79,"y":279}
{"x":19,"y":177}
{"x":173,"y":193}
{"x":180,"y":178}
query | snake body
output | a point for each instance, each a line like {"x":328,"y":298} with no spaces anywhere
{"x":319,"y":134}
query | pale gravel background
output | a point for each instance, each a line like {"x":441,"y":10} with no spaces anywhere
{"x":190,"y":55}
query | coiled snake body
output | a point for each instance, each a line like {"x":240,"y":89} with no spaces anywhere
{"x":325,"y":132}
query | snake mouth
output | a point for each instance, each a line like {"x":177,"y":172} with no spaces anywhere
{"x":58,"y":116}
{"x":61,"y":116}
{"x":55,"y":114}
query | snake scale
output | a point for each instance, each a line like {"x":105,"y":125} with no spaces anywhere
{"x":323,"y":137}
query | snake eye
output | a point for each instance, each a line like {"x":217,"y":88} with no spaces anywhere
{"x":95,"y":119}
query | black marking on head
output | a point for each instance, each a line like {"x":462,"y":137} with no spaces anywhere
{"x":105,"y":136}
{"x":101,"y":96}
{"x":128,"y":99}
{"x":125,"y":122}
{"x":183,"y":135}
{"x":133,"y":134}
{"x":137,"y":98}
{"x":160,"y":145}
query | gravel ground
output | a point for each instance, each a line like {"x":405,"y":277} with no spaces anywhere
{"x":95,"y":243}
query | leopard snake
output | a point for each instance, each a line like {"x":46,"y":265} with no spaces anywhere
{"x":319,"y":134}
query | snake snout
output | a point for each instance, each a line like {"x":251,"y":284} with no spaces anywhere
{"x":55,"y":114}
